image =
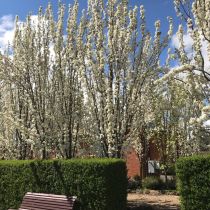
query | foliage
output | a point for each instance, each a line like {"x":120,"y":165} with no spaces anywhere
{"x":94,"y":84}
{"x":152,"y":183}
{"x":171,"y":169}
{"x":83,"y":89}
{"x":134,"y":182}
{"x":98,"y":183}
{"x":41,"y":99}
{"x":181,"y":104}
{"x":195,"y":14}
{"x":171,"y":184}
{"x":193,"y":175}
{"x":155,"y":183}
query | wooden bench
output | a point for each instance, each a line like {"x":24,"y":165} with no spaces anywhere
{"x":41,"y":201}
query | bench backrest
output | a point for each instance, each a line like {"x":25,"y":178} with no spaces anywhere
{"x":41,"y":201}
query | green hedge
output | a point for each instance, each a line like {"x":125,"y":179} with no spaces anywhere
{"x":193,"y":175}
{"x":100,"y":184}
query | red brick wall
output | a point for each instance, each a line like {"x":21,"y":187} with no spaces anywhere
{"x":132,"y":163}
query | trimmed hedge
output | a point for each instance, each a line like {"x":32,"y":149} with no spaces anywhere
{"x":193,"y":175}
{"x":100,"y":184}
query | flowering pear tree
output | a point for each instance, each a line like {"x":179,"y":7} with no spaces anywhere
{"x":196,"y":15}
{"x":118,"y":61}
{"x":91,"y":81}
{"x":94,"y":85}
{"x":171,"y":130}
{"x":180,"y":100}
{"x":42,"y":101}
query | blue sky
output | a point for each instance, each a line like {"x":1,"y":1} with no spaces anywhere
{"x":155,"y":9}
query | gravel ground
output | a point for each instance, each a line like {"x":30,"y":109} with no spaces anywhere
{"x":152,"y":201}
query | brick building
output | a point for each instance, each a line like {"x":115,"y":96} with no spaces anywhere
{"x":134,"y":166}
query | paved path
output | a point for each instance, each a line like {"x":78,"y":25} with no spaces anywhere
{"x":153,"y":201}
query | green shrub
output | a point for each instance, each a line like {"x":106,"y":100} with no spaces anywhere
{"x":98,"y":183}
{"x":171,"y":170}
{"x":152,"y":183}
{"x":169,"y":182}
{"x":193,"y":175}
{"x":134,"y":182}
{"x":170,"y":185}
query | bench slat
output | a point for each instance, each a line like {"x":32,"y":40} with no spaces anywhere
{"x":42,"y":201}
{"x":48,"y":195}
{"x":32,"y":204}
{"x":26,"y":204}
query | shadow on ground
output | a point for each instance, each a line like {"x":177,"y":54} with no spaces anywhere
{"x":145,"y":206}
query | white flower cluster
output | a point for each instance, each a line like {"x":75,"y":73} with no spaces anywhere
{"x":174,"y":72}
